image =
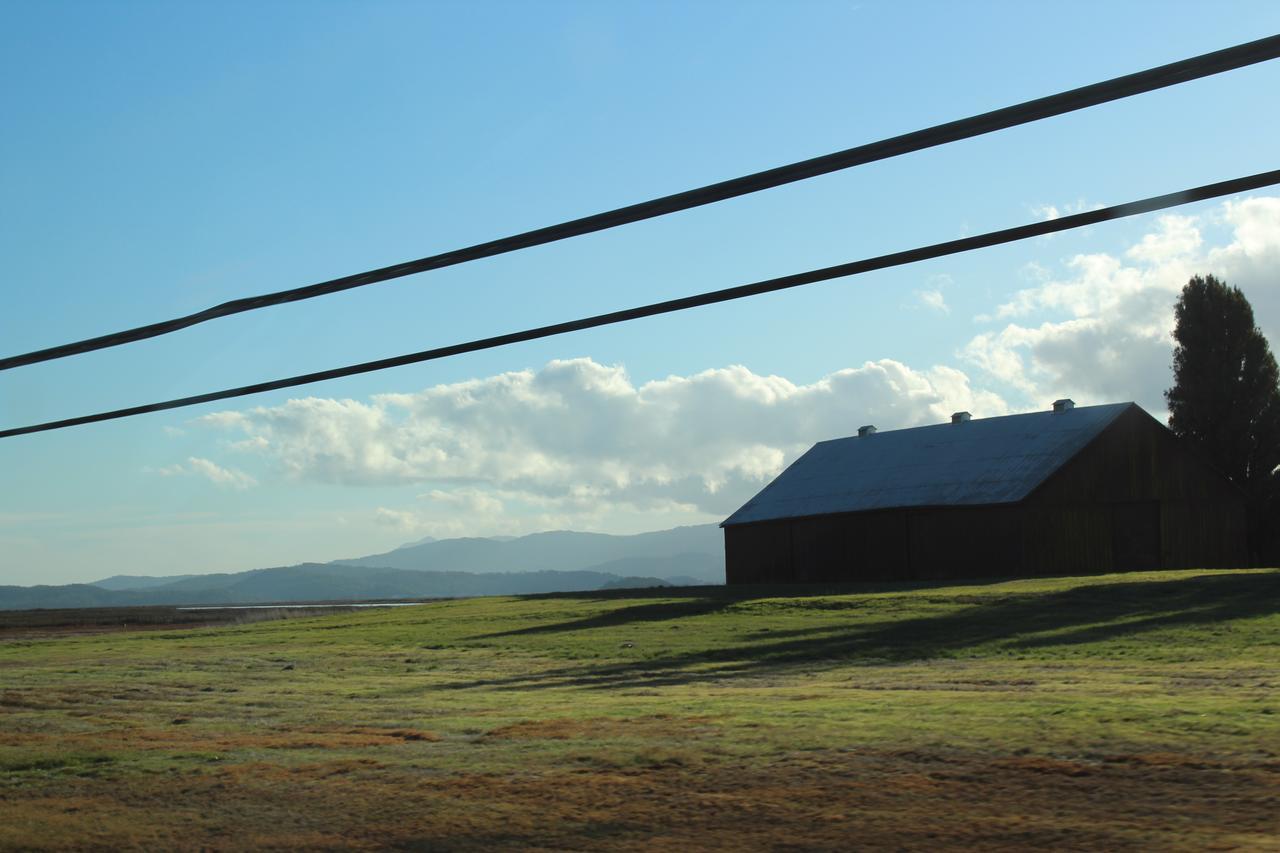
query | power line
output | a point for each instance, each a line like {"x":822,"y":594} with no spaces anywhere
{"x":1163,"y":76}
{"x":937,"y":250}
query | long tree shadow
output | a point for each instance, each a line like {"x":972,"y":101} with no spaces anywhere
{"x":1014,"y":621}
{"x":699,"y":601}
{"x":659,"y":612}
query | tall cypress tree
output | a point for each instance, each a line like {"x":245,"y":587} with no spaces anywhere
{"x":1226,"y":398}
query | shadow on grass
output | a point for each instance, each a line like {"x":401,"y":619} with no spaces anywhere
{"x":702,"y":600}
{"x":666,"y":611}
{"x":1016,"y":621}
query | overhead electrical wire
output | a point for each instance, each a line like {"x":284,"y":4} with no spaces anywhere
{"x":937,"y":250}
{"x":1160,"y":77}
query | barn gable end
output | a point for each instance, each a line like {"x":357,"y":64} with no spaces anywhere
{"x":1167,"y":505}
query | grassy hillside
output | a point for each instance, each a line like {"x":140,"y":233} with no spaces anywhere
{"x":1117,"y":712}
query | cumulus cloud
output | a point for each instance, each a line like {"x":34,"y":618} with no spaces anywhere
{"x":1104,"y":330}
{"x":475,"y":501}
{"x":933,"y":297}
{"x":1045,"y":212}
{"x":934,"y":300}
{"x":397,"y":518}
{"x":214,"y":473}
{"x":580,"y":444}
{"x":1049,"y":212}
{"x":580,"y":437}
{"x":1175,"y":237}
{"x":446,"y":521}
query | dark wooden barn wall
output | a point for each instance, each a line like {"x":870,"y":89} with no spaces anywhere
{"x":1135,"y":459}
{"x":920,"y":544}
{"x":1137,"y":462}
{"x":1134,"y":499}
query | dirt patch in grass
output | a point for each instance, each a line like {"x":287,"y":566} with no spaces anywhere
{"x":1040,"y":764}
{"x":804,"y":801}
{"x":603,"y":728}
{"x":19,"y":625}
{"x":181,"y":738}
{"x":42,"y":632}
{"x":34,"y":624}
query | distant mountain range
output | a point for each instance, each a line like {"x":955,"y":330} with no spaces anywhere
{"x":560,"y":561}
{"x":560,"y":550}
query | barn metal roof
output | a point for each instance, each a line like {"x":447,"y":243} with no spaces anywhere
{"x":981,"y":461}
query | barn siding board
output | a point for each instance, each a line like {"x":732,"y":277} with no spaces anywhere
{"x":757,"y":553}
{"x":816,"y":548}
{"x":1203,"y":535}
{"x":885,"y":538}
{"x":962,"y":542}
{"x":1135,"y":536}
{"x":1132,"y":498}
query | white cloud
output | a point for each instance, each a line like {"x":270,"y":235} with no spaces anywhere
{"x":1049,"y":212}
{"x":934,"y":300}
{"x":578,"y":438}
{"x":447,"y":522}
{"x":475,"y":501}
{"x":933,"y":297}
{"x":579,"y":444}
{"x":399,"y":519}
{"x":1105,"y":328}
{"x":219,"y":476}
{"x":1177,"y":237}
{"x":1045,"y":212}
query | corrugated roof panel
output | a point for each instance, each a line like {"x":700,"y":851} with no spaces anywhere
{"x":984,"y":461}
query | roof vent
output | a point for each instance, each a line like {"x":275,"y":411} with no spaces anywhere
{"x":864,"y":431}
{"x":1063,"y":405}
{"x":961,"y":417}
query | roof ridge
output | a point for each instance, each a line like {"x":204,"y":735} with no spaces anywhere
{"x":977,"y":420}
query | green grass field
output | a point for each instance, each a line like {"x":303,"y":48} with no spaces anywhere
{"x":1120,"y":712}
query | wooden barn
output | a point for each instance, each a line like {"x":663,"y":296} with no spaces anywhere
{"x":1075,"y":490}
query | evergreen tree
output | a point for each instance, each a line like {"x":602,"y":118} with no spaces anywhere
{"x":1226,"y":398}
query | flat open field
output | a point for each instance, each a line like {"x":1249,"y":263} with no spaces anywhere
{"x":1121,"y":712}
{"x":32,"y":624}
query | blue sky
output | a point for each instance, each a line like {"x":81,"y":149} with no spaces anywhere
{"x":160,"y":158}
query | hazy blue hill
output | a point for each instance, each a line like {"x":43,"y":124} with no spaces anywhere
{"x":559,"y":550}
{"x":328,"y":582}
{"x":71,"y":595}
{"x":200,"y":584}
{"x":684,"y":554}
{"x":682,"y":569}
{"x":423,"y":541}
{"x":138,"y":581}
{"x":636,"y":583}
{"x":305,"y":582}
{"x":313,"y":582}
{"x":558,"y":561}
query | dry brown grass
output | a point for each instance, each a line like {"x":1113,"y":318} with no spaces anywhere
{"x":822,"y":801}
{"x":602,"y":728}
{"x":1101,"y":714}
